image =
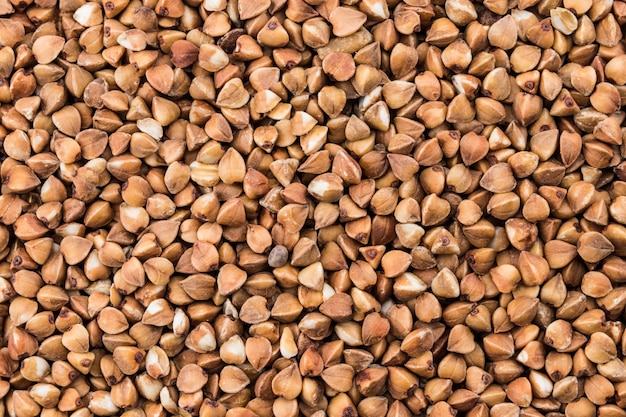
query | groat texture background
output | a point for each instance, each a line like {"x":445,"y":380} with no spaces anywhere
{"x":312,"y":208}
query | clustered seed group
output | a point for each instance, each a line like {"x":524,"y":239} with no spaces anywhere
{"x":317,"y":208}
